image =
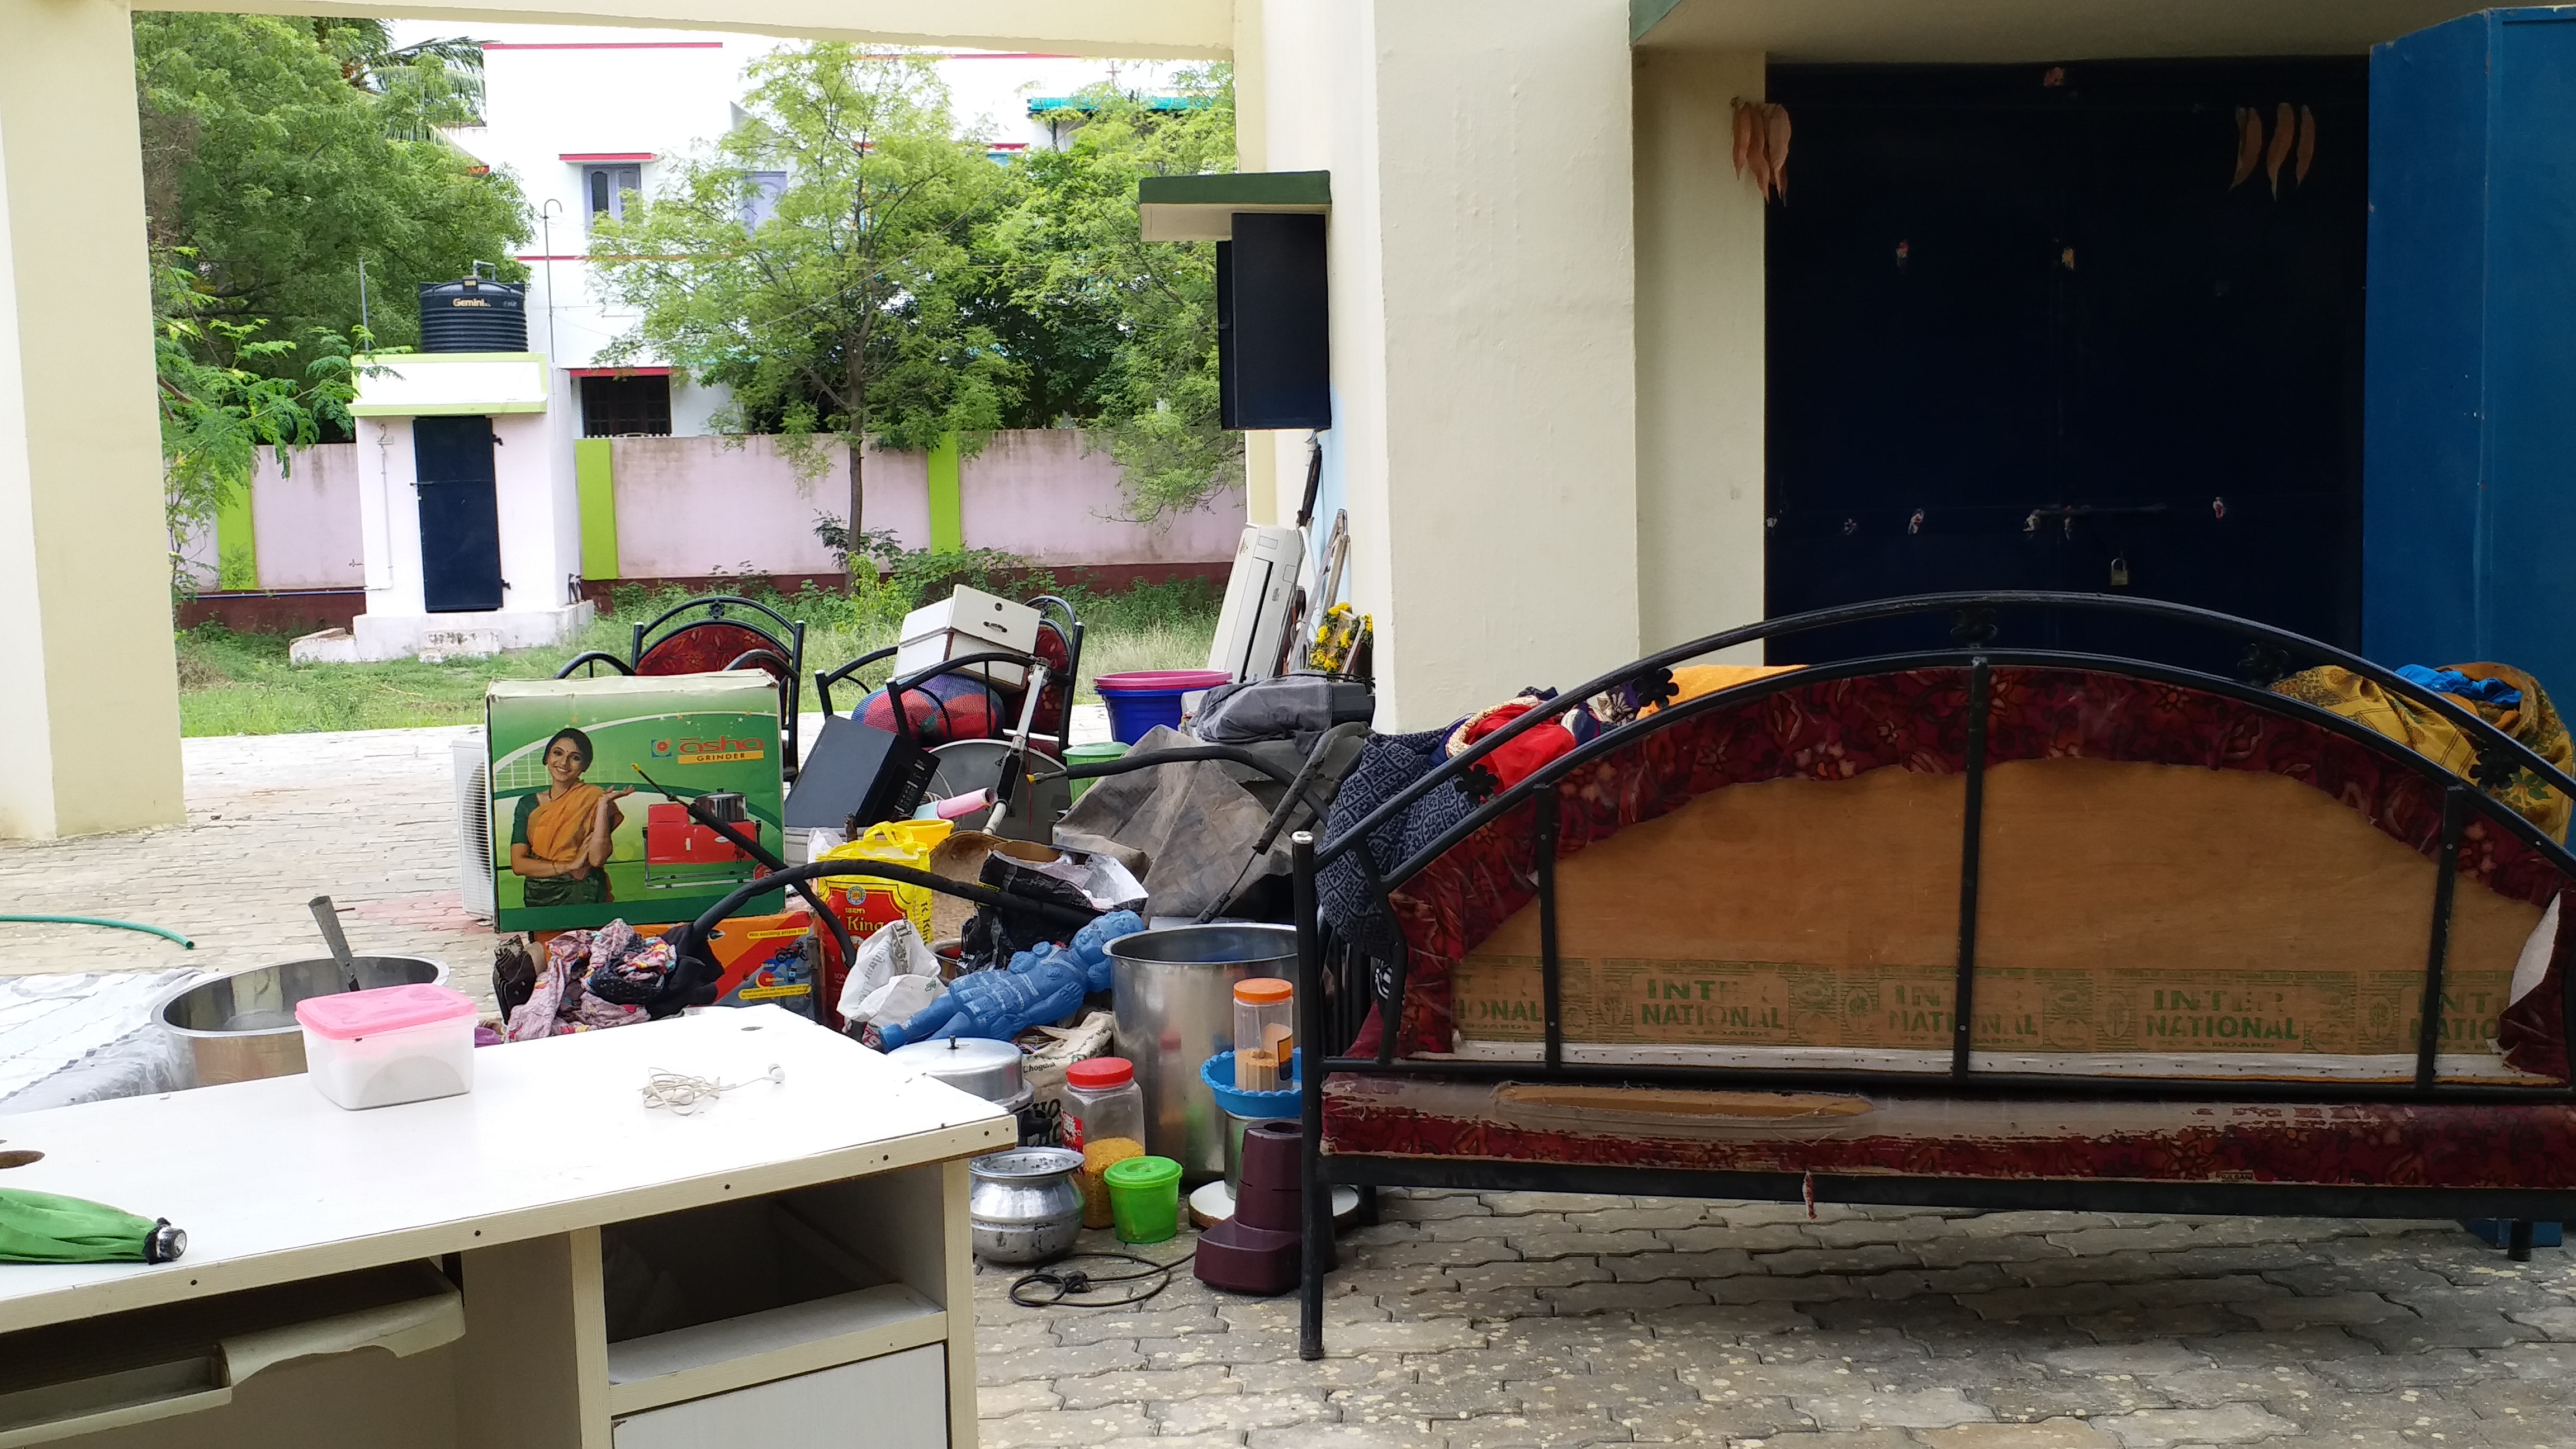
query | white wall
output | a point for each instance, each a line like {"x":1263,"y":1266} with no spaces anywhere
{"x":1484,"y":353}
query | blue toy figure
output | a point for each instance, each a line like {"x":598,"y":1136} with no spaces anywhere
{"x":1037,"y":987}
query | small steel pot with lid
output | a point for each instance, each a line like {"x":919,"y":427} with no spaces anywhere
{"x":1022,"y":1205}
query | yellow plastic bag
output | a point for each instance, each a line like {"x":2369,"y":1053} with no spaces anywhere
{"x":866,"y":902}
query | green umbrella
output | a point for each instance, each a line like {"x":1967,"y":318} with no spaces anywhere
{"x":40,"y":1227}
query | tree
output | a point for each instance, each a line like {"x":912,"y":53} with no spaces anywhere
{"x":1074,"y":254}
{"x":215,"y":417}
{"x":278,"y":153}
{"x":275,"y":158}
{"x":816,"y":260}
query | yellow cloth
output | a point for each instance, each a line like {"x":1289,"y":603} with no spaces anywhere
{"x":1693,"y":680}
{"x":559,"y":828}
{"x":2534,"y":723}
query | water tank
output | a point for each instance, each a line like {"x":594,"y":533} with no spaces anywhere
{"x":474,"y":314}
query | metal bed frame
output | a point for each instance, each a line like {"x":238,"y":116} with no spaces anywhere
{"x":1337,"y":984}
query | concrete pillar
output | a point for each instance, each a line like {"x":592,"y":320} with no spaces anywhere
{"x":1700,"y":351}
{"x":85,"y":650}
{"x":1484,"y":330}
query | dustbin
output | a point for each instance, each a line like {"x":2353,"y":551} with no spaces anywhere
{"x":1174,"y":990}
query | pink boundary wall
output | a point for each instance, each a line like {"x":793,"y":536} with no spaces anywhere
{"x":691,"y":507}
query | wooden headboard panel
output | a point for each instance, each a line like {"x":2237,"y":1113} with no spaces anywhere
{"x":2131,"y":916}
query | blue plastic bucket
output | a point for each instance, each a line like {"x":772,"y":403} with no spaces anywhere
{"x":1142,"y":699}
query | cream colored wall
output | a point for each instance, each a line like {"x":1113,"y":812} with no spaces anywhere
{"x":1700,"y":362}
{"x":1483,"y":330}
{"x":1144,"y":29}
{"x":86,"y":655}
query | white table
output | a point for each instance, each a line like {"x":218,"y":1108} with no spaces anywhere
{"x":777,"y":1241}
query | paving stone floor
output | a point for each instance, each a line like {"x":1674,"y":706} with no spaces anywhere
{"x":1484,"y":1321}
{"x":1496,"y":1320}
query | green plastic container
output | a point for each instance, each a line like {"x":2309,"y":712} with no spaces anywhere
{"x":1144,"y":1199}
{"x":1091,"y":754}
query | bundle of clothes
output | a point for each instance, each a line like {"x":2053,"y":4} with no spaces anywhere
{"x":590,"y":979}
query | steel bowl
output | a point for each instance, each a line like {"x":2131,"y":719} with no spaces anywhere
{"x":1022,"y":1206}
{"x":241,"y":1027}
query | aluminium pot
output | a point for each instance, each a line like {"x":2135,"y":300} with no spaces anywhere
{"x":1022,"y":1206}
{"x":242,"y":1027}
{"x":1174,"y":991}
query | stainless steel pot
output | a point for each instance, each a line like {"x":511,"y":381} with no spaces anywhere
{"x":1175,"y":1001}
{"x":1022,"y":1206}
{"x":242,"y":1027}
{"x":986,"y":1069}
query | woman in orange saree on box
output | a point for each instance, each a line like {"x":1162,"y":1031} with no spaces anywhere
{"x":561,"y":836}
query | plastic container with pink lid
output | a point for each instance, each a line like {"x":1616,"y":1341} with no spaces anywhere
{"x":389,"y":1045}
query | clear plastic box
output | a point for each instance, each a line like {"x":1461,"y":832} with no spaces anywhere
{"x":390,"y":1045}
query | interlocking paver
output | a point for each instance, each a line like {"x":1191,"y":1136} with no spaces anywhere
{"x":2225,"y":1424}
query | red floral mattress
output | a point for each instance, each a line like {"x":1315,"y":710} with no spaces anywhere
{"x":2466,"y":1146}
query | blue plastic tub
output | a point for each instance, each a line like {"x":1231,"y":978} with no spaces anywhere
{"x":1142,"y":699}
{"x":1218,"y":1072}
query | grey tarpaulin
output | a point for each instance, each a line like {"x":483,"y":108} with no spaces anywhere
{"x":1197,"y":822}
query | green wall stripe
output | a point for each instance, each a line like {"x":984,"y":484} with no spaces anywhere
{"x":594,"y":480}
{"x":236,"y":542}
{"x":947,"y":503}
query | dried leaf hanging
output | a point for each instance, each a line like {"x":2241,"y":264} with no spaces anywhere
{"x":2285,"y":126}
{"x":2249,"y":144}
{"x":2307,"y":141}
{"x":1776,"y":146}
{"x":1757,"y":149}
{"x":1743,"y":136}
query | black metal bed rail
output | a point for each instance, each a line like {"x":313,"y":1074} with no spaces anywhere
{"x":2500,"y":754}
{"x":2500,"y":758}
{"x":1540,"y":791}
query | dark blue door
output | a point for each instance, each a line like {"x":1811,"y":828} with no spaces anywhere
{"x":460,"y":525}
{"x":2028,"y":331}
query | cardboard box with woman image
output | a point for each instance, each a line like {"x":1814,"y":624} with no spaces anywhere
{"x":579,"y":838}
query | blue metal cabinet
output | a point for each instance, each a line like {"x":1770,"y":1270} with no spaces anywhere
{"x":2469,"y":437}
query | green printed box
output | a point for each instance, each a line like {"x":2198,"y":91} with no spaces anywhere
{"x":578,"y":836}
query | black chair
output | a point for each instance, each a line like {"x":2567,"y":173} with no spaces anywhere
{"x":730,"y":632}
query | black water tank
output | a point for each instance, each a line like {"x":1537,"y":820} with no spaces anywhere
{"x":473,"y":315}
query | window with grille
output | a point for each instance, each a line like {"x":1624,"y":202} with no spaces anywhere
{"x":607,"y":188}
{"x":623,"y":406}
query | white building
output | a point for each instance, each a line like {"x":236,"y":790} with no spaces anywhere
{"x":582,"y":116}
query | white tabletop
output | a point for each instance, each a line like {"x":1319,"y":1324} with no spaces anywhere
{"x":272,"y":1182}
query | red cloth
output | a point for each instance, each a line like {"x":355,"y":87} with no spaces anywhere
{"x":1517,"y":759}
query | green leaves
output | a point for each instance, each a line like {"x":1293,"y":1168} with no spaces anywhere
{"x":1073,"y":252}
{"x":269,"y":155}
{"x":848,"y":309}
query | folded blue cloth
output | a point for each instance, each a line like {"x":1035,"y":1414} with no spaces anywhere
{"x":2452,"y":681}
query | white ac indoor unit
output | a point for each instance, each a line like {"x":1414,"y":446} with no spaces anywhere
{"x":473,"y":824}
{"x":1251,"y":629}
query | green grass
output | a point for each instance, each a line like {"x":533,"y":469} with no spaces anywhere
{"x":242,"y":684}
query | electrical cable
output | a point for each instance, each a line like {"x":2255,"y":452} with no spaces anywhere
{"x":1059,"y":1282}
{"x":685,"y":1094}
{"x":114,"y":925}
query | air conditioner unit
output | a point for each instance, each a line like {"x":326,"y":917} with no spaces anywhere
{"x":474,"y":824}
{"x":1251,"y":630}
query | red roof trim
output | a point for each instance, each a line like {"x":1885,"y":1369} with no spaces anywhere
{"x":611,"y":156}
{"x":618,"y":371}
{"x":604,"y":45}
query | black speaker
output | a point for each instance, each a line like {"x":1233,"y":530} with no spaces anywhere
{"x":1273,"y":323}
